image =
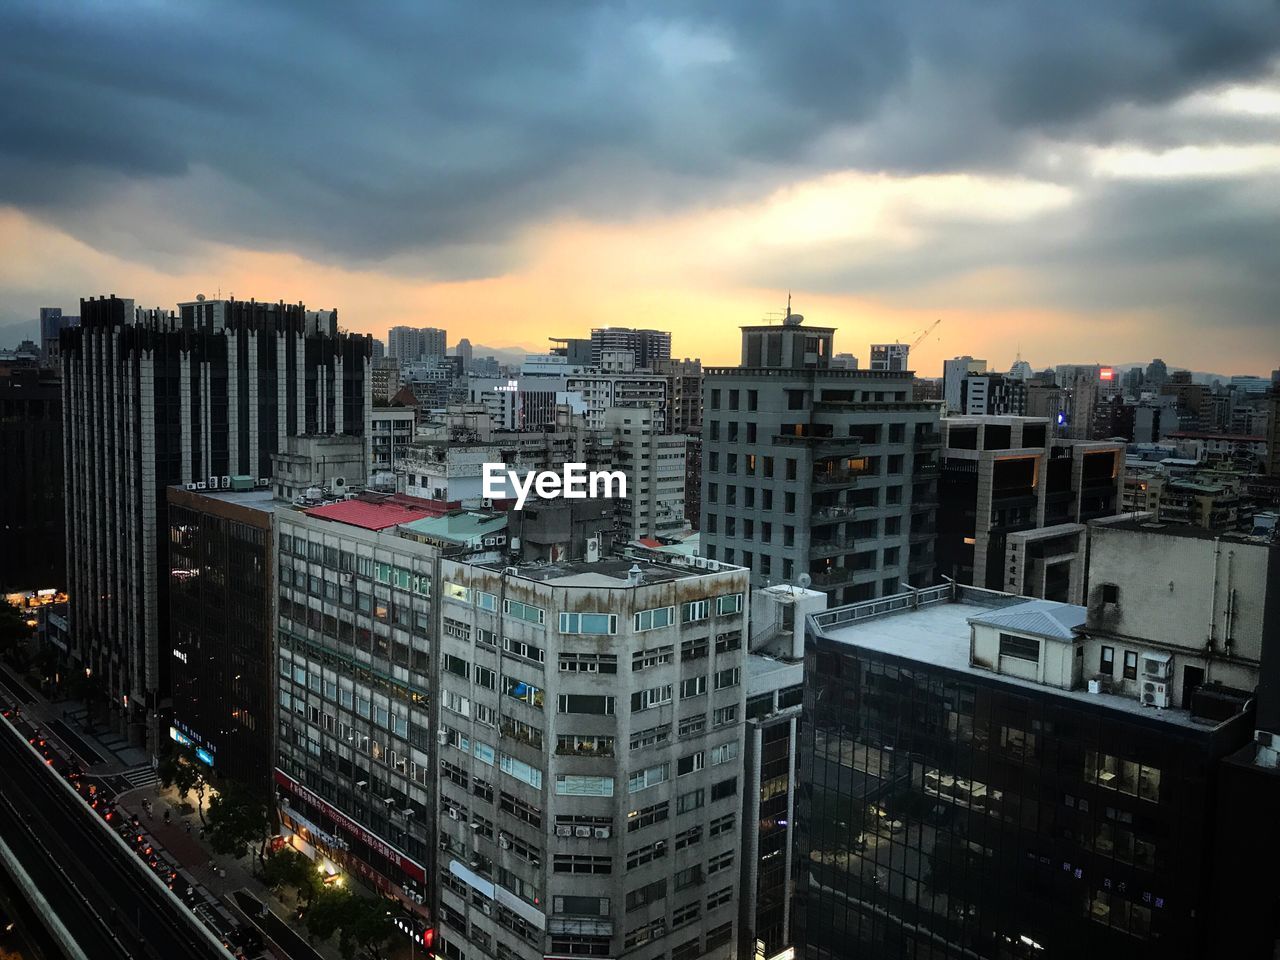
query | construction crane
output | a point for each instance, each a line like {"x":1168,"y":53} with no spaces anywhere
{"x":924,"y":336}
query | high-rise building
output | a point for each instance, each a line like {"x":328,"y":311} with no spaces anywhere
{"x":818,"y":473}
{"x":1157,"y":374}
{"x":601,"y":390}
{"x":379,"y":349}
{"x":968,"y":792}
{"x":684,"y":392}
{"x":653,"y":463}
{"x":221,"y":629}
{"x":1272,"y":465}
{"x":954,"y":372}
{"x":31,"y":468}
{"x":464,"y":352}
{"x":356,"y":644}
{"x":52,"y":323}
{"x":385,"y":376}
{"x":590,"y":731}
{"x":648,"y":346}
{"x":1003,"y":476}
{"x":890,"y":356}
{"x":152,"y":399}
{"x":408,"y":344}
{"x":992,"y":394}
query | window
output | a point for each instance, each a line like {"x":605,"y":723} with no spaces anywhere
{"x":719,"y":898}
{"x":486,"y":678}
{"x":524,"y":611}
{"x":690,"y":764}
{"x":1020,"y":648}
{"x":524,"y":692}
{"x":647,"y":816}
{"x":576,"y":745}
{"x":569,"y":785}
{"x":1130,"y":665}
{"x":692,"y":726}
{"x":1107,"y":661}
{"x":588,"y":663}
{"x":724,"y":753}
{"x":693,"y":649}
{"x":1110,"y":593}
{"x":727,"y":678}
{"x":456,"y":665}
{"x":649,"y":893}
{"x":654,"y":619}
{"x":717,"y":936}
{"x":522,"y":771}
{"x":597,"y":624}
{"x":722,"y":825}
{"x":584,"y":703}
{"x":521,"y":810}
{"x":647,"y":854}
{"x":456,"y":591}
{"x":725,"y":788}
{"x":729,"y":603}
{"x":643,"y":659}
{"x":524,"y":732}
{"x":693,"y":687}
{"x":574,"y":863}
{"x":688,"y":802}
{"x":724,"y":715}
{"x":694,"y":610}
{"x":486,"y":601}
{"x":648,"y":777}
{"x":525,"y":651}
{"x":653,"y":697}
{"x":688,"y":838}
{"x":726,"y":642}
{"x":689,"y":877}
{"x":720,"y":862}
{"x":650,"y":736}
{"x":686,"y":914}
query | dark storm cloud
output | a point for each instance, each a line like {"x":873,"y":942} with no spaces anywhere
{"x":348,"y":131}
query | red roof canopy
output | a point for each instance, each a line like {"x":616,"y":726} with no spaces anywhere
{"x":382,"y":512}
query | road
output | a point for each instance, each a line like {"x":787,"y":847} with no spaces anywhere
{"x":101,"y":890}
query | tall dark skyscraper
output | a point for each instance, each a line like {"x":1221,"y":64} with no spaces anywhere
{"x":151,"y":399}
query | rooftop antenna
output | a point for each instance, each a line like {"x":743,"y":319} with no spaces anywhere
{"x":788,"y":303}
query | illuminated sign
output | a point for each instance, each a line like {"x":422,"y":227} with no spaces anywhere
{"x":1106,"y":373}
{"x":179,"y":655}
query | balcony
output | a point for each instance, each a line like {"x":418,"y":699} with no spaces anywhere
{"x":925,"y":468}
{"x":821,"y":446}
{"x":928,"y":440}
{"x":832,"y":514}
{"x":835,"y":577}
{"x":836,"y":478}
{"x":921,"y":532}
{"x":830,"y":548}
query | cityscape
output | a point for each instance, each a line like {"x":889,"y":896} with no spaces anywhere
{"x":922,"y":473}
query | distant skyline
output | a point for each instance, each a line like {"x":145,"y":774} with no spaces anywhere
{"x":1092,"y":180}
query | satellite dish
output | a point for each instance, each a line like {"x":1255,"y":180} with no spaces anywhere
{"x":200,"y":298}
{"x":804,"y":581}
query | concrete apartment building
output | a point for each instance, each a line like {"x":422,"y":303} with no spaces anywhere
{"x":355,"y":645}
{"x":647,"y":346}
{"x":954,"y":372}
{"x":391,"y":430}
{"x":602,"y":389}
{"x":1004,"y":476}
{"x":590,"y":735}
{"x":891,"y":356}
{"x":408,"y":344}
{"x":814,"y":472}
{"x":684,"y":392}
{"x":152,"y":399}
{"x":654,"y":465}
{"x":993,"y":394}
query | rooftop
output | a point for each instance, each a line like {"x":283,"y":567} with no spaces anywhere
{"x":938,"y":633}
{"x":766,"y":673}
{"x":461,"y":526}
{"x":1183,"y":530}
{"x":607,"y":572}
{"x":372,"y":512}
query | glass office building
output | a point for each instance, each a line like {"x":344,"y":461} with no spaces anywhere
{"x":965,"y":795}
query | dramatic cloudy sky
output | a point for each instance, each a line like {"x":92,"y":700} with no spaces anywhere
{"x":1091,"y":180}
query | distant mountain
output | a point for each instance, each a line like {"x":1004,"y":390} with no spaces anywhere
{"x":514,"y":356}
{"x":12,"y":334}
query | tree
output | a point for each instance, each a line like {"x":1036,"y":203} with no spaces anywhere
{"x":180,"y":767}
{"x":238,"y":816}
{"x":329,"y":911}
{"x":14,"y":633}
{"x":288,"y":868}
{"x":368,"y":926}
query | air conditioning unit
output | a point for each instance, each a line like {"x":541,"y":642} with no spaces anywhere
{"x":1266,"y":739}
{"x":504,"y":842}
{"x":713,"y":565}
{"x":660,"y":845}
{"x":1155,"y":694}
{"x":1156,"y":666}
{"x":474,"y":863}
{"x":602,"y":833}
{"x":202,"y":485}
{"x":339,"y":482}
{"x":264,"y":481}
{"x":454,"y":814}
{"x":226,"y":483}
{"x":190,"y":486}
{"x":347,"y":578}
{"x":213,"y":483}
{"x":442,"y":737}
{"x":362,"y":784}
{"x":475,"y":824}
{"x":444,"y":843}
{"x":388,"y":800}
{"x":487,"y":907}
{"x":564,"y":830}
{"x":700,"y":562}
{"x":583,"y":832}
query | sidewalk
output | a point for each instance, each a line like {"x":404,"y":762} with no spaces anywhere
{"x":222,"y":876}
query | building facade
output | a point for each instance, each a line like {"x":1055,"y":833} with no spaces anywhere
{"x":151,"y":399}
{"x":967,"y":795}
{"x":653,"y":464}
{"x":1005,"y":475}
{"x":818,"y":473}
{"x":31,"y":511}
{"x":221,"y":629}
{"x":590,"y":782}
{"x":648,"y":346}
